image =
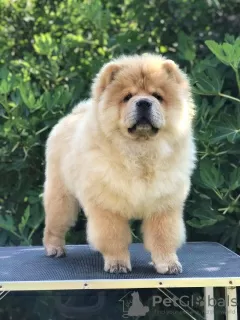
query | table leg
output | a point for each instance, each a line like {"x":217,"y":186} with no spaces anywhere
{"x":231,"y":303}
{"x":209,"y":303}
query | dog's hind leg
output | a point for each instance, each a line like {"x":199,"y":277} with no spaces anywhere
{"x":61,"y":210}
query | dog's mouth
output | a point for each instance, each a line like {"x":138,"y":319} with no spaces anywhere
{"x":143,"y":127}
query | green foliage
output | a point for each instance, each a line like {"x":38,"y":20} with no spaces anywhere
{"x":216,"y":182}
{"x":50,"y":51}
{"x":228,"y":52}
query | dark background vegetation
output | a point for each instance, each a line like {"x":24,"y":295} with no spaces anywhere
{"x":50,"y":51}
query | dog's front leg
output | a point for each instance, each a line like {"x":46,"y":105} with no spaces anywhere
{"x":110,"y":234}
{"x":164,"y":233}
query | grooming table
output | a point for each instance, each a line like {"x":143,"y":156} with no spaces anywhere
{"x":205,"y":265}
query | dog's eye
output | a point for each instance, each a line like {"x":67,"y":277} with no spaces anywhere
{"x":127,"y":97}
{"x":157,"y":96}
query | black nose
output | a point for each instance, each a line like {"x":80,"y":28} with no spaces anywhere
{"x":143,"y":108}
{"x":143,"y":103}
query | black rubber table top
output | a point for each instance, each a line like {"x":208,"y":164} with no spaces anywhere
{"x":199,"y":260}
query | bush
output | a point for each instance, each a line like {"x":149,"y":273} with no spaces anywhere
{"x":49,"y":52}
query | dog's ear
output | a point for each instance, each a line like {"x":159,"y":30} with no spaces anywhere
{"x":174,"y":72}
{"x":104,"y":78}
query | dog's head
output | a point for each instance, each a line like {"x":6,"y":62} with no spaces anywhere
{"x":141,"y":96}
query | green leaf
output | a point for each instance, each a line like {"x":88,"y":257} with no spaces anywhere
{"x":207,"y":214}
{"x":199,"y":224}
{"x":27,"y":95}
{"x":208,"y":82}
{"x":4,"y":72}
{"x":7,"y":223}
{"x":209,"y":62}
{"x":227,"y":53}
{"x":210,"y":176}
{"x":234,"y":181}
{"x":236,"y":54}
{"x":204,"y":218}
{"x":44,"y":44}
{"x":5,"y":86}
{"x":37,"y":218}
{"x":228,"y":131}
{"x":24,"y":220}
{"x":217,"y":50}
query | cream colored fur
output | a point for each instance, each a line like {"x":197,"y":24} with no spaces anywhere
{"x":92,"y":161}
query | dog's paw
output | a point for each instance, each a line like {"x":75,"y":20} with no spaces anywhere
{"x":54,"y":246}
{"x":117,"y":266}
{"x":55,"y":251}
{"x":172,"y":267}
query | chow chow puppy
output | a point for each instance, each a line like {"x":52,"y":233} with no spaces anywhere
{"x":127,"y":153}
